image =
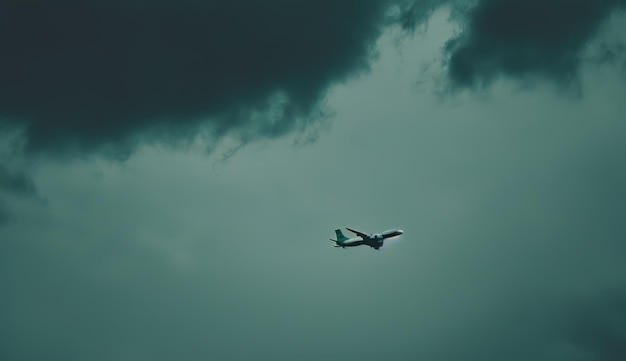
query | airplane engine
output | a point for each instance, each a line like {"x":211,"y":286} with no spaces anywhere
{"x":379,"y":239}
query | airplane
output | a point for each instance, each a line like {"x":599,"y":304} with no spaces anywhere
{"x":374,"y":240}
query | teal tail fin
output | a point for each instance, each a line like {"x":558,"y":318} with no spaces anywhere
{"x":340,"y":237}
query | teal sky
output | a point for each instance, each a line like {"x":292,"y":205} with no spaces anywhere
{"x":512,"y":197}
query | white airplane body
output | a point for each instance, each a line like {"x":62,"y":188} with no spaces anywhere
{"x":374,"y":240}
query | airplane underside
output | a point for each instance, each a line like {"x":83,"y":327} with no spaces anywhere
{"x":375,"y":245}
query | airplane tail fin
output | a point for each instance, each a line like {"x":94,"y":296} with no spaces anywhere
{"x":340,"y":237}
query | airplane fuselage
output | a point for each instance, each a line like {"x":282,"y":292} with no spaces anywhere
{"x":375,"y":240}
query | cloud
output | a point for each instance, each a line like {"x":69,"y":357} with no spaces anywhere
{"x":4,"y":213}
{"x":82,"y":75}
{"x":17,"y":183}
{"x":542,"y":38}
{"x":600,"y":326}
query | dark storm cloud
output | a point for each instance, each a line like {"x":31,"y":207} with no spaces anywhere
{"x":86,"y":75}
{"x":82,"y":74}
{"x":520,"y":38}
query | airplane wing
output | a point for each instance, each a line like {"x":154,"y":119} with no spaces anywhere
{"x":360,"y":234}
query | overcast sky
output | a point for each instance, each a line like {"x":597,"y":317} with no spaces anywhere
{"x":171,"y":172}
